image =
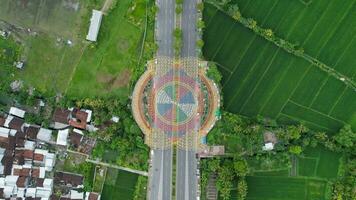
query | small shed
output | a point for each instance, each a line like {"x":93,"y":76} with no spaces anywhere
{"x":94,"y":27}
{"x":62,"y":137}
{"x":17,"y":112}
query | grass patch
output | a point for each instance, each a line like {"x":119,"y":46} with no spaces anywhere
{"x":58,"y":17}
{"x":49,"y":63}
{"x":107,"y":66}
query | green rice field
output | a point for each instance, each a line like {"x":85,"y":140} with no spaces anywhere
{"x":119,"y":185}
{"x":316,"y":168}
{"x":261,"y":79}
{"x":318,"y":162}
{"x":282,"y":188}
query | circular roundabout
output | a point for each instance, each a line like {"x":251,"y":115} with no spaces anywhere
{"x":174,"y":106}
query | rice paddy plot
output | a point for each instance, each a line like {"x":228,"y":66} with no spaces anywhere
{"x":325,"y":29}
{"x":319,"y":162}
{"x":260,"y":78}
{"x":119,"y":185}
{"x":278,"y":188}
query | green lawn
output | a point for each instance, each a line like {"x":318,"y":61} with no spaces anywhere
{"x":261,"y":79}
{"x":119,"y":185}
{"x":107,"y":67}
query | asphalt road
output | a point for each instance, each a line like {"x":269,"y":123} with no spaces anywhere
{"x":160,"y":184}
{"x":186,"y":177}
{"x":189,"y":28}
{"x":165,"y":23}
{"x":187,"y":183}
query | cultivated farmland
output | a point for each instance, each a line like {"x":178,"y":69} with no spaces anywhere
{"x":119,"y":185}
{"x":261,"y":79}
{"x":318,"y":162}
{"x":280,"y":188}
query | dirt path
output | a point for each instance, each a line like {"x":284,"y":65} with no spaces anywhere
{"x":106,"y":6}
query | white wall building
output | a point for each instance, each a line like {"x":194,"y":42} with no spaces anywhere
{"x":95,"y":23}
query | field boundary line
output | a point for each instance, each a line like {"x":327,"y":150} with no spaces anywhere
{"x":75,"y":68}
{"x":317,"y":165}
{"x":275,"y":86}
{"x":337,"y":101}
{"x":341,"y":55}
{"x":222,"y":42}
{"x":316,"y":95}
{"x":303,"y":120}
{"x":60,"y":65}
{"x":143,"y":173}
{"x":222,"y":66}
{"x":297,"y":52}
{"x":212,"y":17}
{"x":242,"y":56}
{"x":288,"y":34}
{"x":259,"y":81}
{"x":247,"y":75}
{"x":238,"y":63}
{"x":272,"y":170}
{"x":295,"y":88}
{"x":311,"y":109}
{"x":246,"y":6}
{"x":310,"y":33}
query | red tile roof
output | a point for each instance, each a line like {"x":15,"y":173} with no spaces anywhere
{"x":21,"y":181}
{"x":31,"y":132}
{"x":38,"y":157}
{"x":2,"y":121}
{"x":16,"y":123}
{"x":61,"y":116}
{"x":79,"y":119}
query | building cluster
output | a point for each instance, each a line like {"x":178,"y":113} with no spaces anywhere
{"x":28,"y":156}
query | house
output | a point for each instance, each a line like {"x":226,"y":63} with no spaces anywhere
{"x":38,"y":172}
{"x":66,"y":178}
{"x":15,"y":123}
{"x":31,"y":132}
{"x":211,"y":151}
{"x":44,"y":135}
{"x":76,"y":137}
{"x":44,"y":158}
{"x":94,"y":27}
{"x":17,"y":112}
{"x":2,"y":120}
{"x":79,"y":119}
{"x":76,"y":194}
{"x":19,"y":64}
{"x":270,"y":140}
{"x":61,"y":118}
{"x":62,"y":137}
{"x":92,"y":196}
